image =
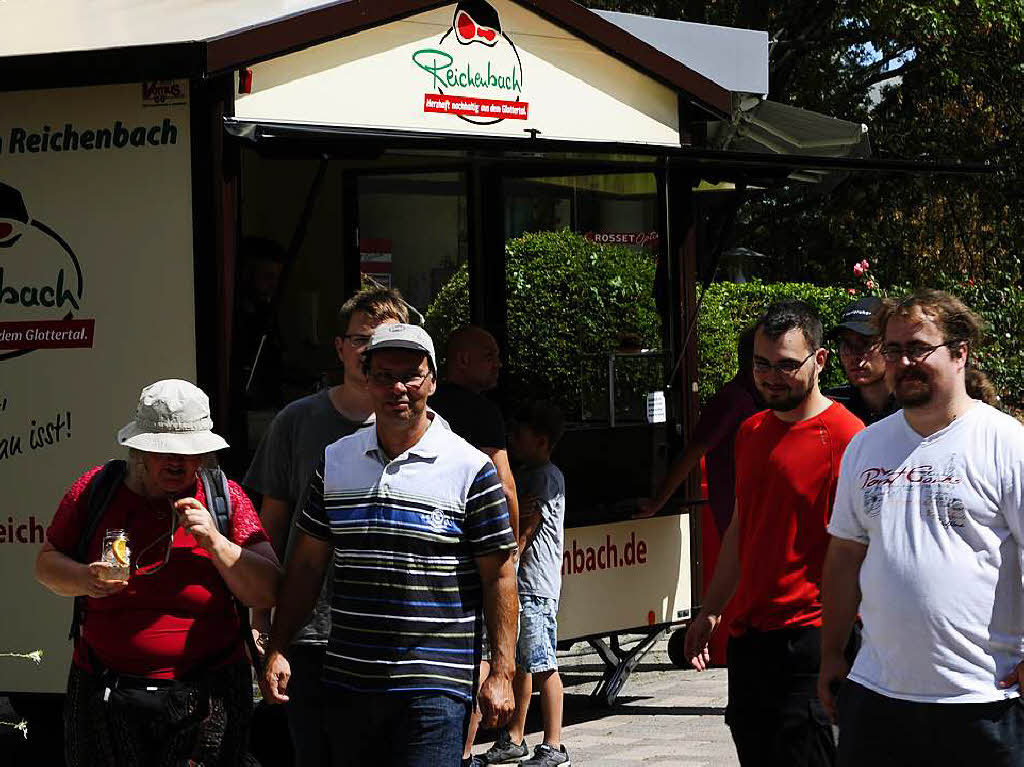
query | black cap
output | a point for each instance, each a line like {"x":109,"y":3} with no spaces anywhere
{"x":860,"y":316}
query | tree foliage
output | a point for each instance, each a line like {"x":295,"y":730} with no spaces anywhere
{"x":931,"y":80}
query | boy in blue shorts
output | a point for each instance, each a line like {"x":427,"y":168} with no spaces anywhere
{"x":541,"y":487}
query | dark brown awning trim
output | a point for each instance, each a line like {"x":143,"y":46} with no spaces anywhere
{"x":132,"y":64}
{"x":205,"y":58}
{"x":355,"y":142}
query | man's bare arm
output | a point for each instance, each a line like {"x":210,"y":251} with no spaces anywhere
{"x":276,"y":516}
{"x":303,"y":579}
{"x":677,"y":473}
{"x":501,"y":612}
{"x":720,"y":591}
{"x":840,"y":598}
{"x":499,"y":457}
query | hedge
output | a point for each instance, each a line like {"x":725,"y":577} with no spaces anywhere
{"x":1002,"y":354}
{"x":728,"y":308}
{"x":568,"y":298}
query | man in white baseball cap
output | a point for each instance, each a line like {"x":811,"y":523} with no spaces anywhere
{"x":428,"y":510}
{"x":287,"y":456}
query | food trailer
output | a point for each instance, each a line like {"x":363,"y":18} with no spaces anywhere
{"x":397,"y":140}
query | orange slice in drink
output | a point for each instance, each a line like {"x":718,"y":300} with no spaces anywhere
{"x":120,"y":549}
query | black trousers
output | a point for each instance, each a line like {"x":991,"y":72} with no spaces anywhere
{"x":99,"y":735}
{"x":306,"y":706}
{"x":774,"y":713}
{"x":881,"y":731}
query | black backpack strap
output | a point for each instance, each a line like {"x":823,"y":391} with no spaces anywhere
{"x":218,"y":503}
{"x":218,"y":498}
{"x":102,"y":488}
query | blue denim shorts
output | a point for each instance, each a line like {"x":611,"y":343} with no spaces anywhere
{"x":538,"y":635}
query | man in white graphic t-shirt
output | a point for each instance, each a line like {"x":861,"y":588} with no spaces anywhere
{"x":927,"y":533}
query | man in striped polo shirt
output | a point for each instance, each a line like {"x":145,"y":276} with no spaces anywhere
{"x":417,"y":520}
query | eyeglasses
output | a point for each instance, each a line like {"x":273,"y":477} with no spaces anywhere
{"x":785,"y":367}
{"x":411,"y":381}
{"x":856,"y":351}
{"x":358,"y":341}
{"x":914,"y":352}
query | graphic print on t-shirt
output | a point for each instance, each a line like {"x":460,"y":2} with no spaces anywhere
{"x":935,"y":490}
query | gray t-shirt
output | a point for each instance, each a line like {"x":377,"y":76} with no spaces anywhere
{"x":540,"y":567}
{"x":286,"y":458}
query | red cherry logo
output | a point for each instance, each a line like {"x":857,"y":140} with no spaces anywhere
{"x":468,"y":30}
{"x":466,"y":26}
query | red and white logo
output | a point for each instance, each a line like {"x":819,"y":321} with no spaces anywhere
{"x":468,"y":31}
{"x":481,"y":84}
{"x":41,"y":284}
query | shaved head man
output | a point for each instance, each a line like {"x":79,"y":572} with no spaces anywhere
{"x":473,"y":359}
{"x":472,"y":367}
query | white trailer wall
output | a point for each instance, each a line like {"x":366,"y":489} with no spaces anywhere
{"x":95,"y":260}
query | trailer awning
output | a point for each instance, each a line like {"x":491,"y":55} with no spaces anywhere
{"x":772,"y":128}
{"x":529,"y":156}
{"x":783,"y":129}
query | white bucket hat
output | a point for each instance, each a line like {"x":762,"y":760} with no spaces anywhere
{"x":173,"y":416}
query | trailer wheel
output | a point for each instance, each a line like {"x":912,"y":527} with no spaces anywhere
{"x":676,"y":652}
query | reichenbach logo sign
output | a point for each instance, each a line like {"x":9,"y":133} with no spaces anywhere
{"x":41,"y":284}
{"x":475,"y":72}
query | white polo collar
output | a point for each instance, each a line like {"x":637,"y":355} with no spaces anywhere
{"x":428,"y":446}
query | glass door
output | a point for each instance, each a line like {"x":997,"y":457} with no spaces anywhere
{"x":413,"y":236}
{"x":584,"y":329}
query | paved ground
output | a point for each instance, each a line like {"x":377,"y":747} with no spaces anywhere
{"x":663,"y":716}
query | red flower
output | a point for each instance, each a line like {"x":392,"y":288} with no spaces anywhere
{"x":870,"y":285}
{"x":864,"y":264}
{"x":852,"y":291}
{"x":858,"y":269}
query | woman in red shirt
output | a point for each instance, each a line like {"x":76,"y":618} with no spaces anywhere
{"x":159,"y":674}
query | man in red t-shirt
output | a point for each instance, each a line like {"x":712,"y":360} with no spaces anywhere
{"x":787,"y":464}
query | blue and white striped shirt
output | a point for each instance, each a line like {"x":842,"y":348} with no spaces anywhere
{"x":406,"y":612}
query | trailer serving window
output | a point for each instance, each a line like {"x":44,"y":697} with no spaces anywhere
{"x":605,"y":323}
{"x":313,"y":232}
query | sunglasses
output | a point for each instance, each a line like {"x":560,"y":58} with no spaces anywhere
{"x":411,"y":381}
{"x":168,"y":536}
